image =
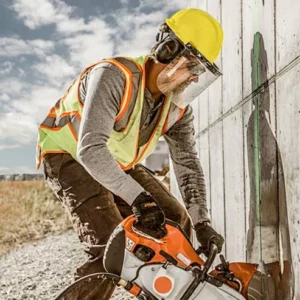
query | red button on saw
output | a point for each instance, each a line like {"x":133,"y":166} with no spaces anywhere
{"x":163,"y":285}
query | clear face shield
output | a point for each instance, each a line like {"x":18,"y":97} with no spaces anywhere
{"x":187,"y":76}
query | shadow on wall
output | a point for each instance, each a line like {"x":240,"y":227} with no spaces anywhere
{"x":268,"y":238}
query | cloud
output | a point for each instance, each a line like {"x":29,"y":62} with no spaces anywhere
{"x":92,"y":45}
{"x":30,"y":109}
{"x":24,"y":109}
{"x":6,"y":67}
{"x":20,"y":132}
{"x":11,"y":86}
{"x":72,"y":26}
{"x":14,"y":46}
{"x":56,"y":70}
{"x":38,"y":101}
{"x":171,"y":6}
{"x":90,"y":40}
{"x":21,"y":73}
{"x":137,"y":29}
{"x":137,"y":33}
{"x":86,"y":41}
{"x":165,"y":5}
{"x":37,"y":13}
{"x":4,"y":97}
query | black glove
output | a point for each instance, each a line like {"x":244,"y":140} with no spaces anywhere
{"x":150,"y":218}
{"x":206,"y":236}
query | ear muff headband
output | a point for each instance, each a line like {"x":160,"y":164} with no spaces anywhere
{"x":167,"y":50}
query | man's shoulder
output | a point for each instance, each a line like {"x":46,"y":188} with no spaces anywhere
{"x":118,"y":64}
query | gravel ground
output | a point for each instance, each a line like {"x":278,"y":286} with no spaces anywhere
{"x":40,"y":271}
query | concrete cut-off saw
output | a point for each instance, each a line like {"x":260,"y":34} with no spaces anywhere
{"x":170,"y":268}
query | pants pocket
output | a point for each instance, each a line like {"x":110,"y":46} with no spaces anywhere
{"x":95,"y":220}
{"x":52,"y":163}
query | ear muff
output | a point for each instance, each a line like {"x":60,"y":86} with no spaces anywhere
{"x":167,"y":50}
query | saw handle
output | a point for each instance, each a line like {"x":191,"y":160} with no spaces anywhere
{"x":213,"y":251}
{"x":201,"y":275}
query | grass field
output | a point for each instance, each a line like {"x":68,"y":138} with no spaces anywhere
{"x":29,"y":211}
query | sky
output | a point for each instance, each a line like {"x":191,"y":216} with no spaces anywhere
{"x":44,"y":44}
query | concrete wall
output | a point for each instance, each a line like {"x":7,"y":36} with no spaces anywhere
{"x":159,"y":158}
{"x":249,"y":143}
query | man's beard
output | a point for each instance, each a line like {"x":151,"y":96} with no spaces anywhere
{"x":177,"y":94}
{"x":182,"y":87}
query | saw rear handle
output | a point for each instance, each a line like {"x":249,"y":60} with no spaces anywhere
{"x":213,"y":251}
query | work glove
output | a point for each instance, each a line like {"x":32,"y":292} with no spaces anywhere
{"x":206,"y":236}
{"x":150,"y":218}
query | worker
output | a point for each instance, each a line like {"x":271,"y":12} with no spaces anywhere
{"x":95,"y":137}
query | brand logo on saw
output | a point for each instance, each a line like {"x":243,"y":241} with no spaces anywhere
{"x":129,"y":244}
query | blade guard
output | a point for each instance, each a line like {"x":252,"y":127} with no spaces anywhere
{"x":243,"y":272}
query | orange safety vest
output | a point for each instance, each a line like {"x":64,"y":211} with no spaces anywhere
{"x":59,"y":131}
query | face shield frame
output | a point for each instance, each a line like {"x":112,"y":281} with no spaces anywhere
{"x":200,"y":67}
{"x":212,"y":67}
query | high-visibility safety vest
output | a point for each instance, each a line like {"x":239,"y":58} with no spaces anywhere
{"x":59,"y":131}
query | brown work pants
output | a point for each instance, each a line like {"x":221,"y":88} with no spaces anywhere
{"x":95,"y":211}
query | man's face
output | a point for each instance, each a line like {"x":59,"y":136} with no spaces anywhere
{"x":187,"y":71}
{"x":185,"y":78}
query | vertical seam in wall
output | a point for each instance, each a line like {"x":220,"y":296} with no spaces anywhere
{"x":209,"y":157}
{"x":275,"y":67}
{"x":256,"y":141}
{"x":209,"y":163}
{"x":208,"y":138}
{"x":275,"y":117}
{"x":224,"y":194}
{"x":275,"y":70}
{"x":223,"y":157}
{"x":222,"y":81}
{"x":243,"y":130}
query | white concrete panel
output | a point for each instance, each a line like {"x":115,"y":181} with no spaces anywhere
{"x":287,"y":31}
{"x":258,"y":16}
{"x":234,"y":187}
{"x":217,"y":179}
{"x":232,"y":54}
{"x":288,"y":137}
{"x":215,"y":90}
{"x":214,"y":8}
{"x":203,"y":110}
{"x":197,"y":4}
{"x":215,"y":101}
{"x":204,"y":160}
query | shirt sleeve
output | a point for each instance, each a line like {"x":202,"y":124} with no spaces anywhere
{"x":188,"y":171}
{"x":104,"y":92}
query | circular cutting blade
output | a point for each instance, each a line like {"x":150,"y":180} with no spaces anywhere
{"x":92,"y":286}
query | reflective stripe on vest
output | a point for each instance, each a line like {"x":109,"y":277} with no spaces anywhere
{"x":59,"y":131}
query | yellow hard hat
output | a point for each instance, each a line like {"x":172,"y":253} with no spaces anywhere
{"x":200,"y":29}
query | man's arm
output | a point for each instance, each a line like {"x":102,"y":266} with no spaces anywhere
{"x":102,"y":102}
{"x":187,"y":167}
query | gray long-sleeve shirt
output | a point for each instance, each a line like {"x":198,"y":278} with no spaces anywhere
{"x":102,"y":91}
